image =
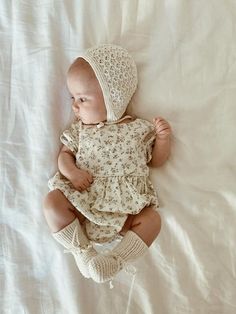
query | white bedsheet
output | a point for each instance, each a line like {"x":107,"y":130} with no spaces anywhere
{"x":186,"y":55}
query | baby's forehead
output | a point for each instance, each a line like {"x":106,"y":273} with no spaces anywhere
{"x":81,"y":74}
{"x":80,"y":65}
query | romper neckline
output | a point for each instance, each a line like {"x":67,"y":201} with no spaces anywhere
{"x":100,"y":125}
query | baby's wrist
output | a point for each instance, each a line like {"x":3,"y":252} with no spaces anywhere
{"x":163,"y":138}
{"x":69,"y":173}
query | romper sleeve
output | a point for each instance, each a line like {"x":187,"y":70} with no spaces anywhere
{"x":149,"y":139}
{"x":70,"y":137}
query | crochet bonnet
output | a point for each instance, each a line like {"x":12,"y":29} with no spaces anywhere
{"x":116,"y":72}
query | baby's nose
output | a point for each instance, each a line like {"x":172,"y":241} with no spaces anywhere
{"x":75,"y":106}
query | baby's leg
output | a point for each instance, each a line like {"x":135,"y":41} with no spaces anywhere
{"x":146,"y":224}
{"x":139,"y":233}
{"x":58,"y":211}
{"x":67,"y":230}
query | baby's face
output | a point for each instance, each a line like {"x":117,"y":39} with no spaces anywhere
{"x":88,"y":102}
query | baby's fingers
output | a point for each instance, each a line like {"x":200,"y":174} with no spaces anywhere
{"x":79,"y":188}
{"x":162,"y":127}
{"x":82,"y":187}
{"x":158,"y":120}
{"x":90,"y":178}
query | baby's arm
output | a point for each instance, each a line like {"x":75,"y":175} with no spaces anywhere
{"x":161,"y":149}
{"x":80,"y":179}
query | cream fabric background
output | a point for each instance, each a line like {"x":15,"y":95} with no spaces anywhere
{"x":186,"y":55}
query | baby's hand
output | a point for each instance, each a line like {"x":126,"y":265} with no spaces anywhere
{"x":81,"y":180}
{"x":163,"y":129}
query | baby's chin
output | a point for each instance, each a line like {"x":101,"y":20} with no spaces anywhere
{"x":86,"y":121}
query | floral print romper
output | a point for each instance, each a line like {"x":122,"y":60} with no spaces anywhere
{"x":116,"y":155}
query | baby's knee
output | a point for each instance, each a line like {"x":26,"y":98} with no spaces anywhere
{"x":50,"y":201}
{"x":154,"y":218}
{"x":157,"y":219}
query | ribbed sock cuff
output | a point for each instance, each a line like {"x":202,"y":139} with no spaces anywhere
{"x":66,"y":236}
{"x":131,"y":246}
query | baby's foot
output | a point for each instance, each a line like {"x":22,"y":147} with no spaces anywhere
{"x":82,"y":259}
{"x":104,"y":267}
{"x":73,"y":238}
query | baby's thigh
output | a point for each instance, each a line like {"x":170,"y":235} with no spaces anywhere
{"x":55,"y":200}
{"x":127,"y":225}
{"x":148,"y":216}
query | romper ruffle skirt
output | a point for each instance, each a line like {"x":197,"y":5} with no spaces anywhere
{"x":116,"y":155}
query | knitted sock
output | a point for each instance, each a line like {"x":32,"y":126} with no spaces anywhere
{"x":104,"y":267}
{"x":75,"y":241}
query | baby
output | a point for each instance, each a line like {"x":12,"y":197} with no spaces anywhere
{"x":102,"y":191}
